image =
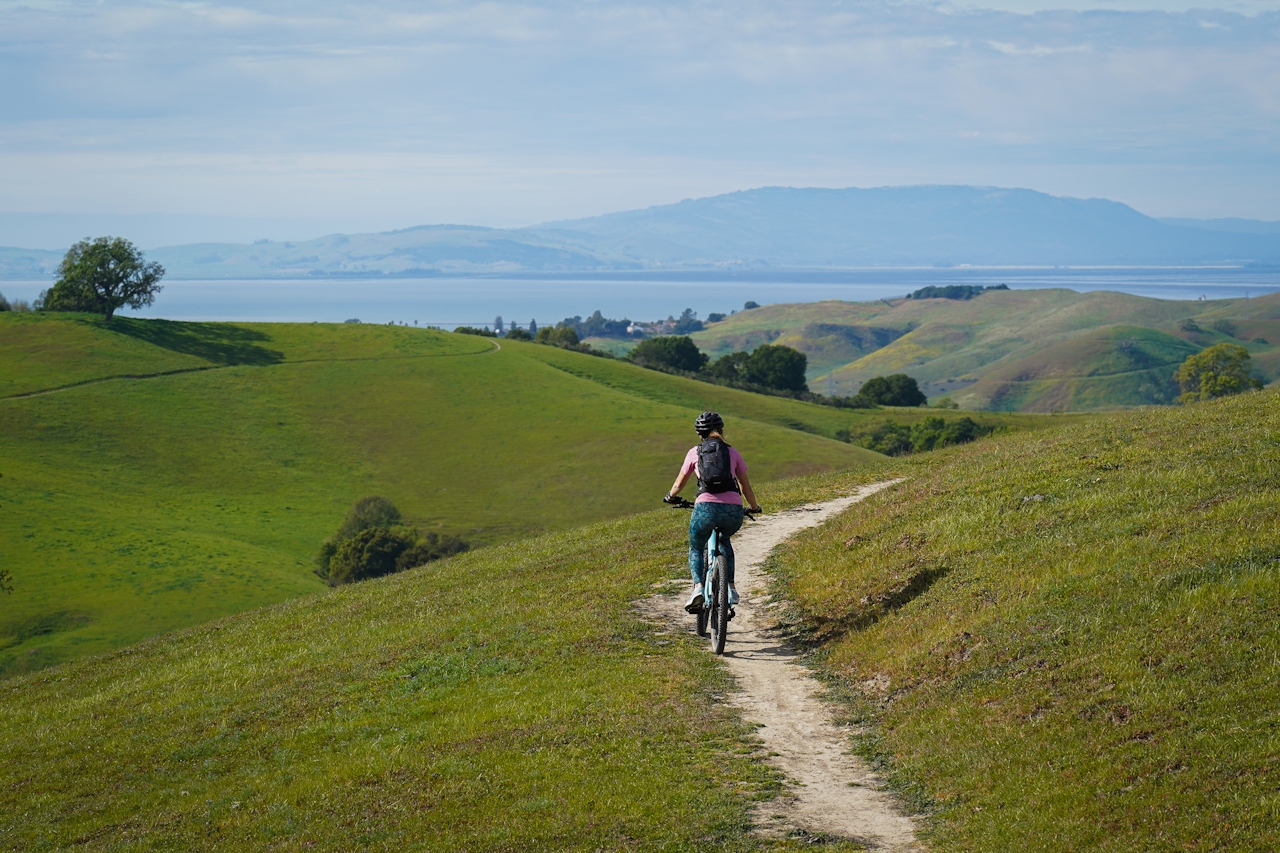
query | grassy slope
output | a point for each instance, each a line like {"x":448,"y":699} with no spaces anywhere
{"x":998,"y":337}
{"x":1089,"y":371}
{"x":1069,"y":640}
{"x":506,"y":699}
{"x":136,"y":507}
{"x":780,"y":411}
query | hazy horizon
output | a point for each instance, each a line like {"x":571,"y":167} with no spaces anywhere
{"x":225,"y":122}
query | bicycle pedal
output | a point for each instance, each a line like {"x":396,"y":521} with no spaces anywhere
{"x":731,"y":614}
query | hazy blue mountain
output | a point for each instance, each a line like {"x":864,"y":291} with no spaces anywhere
{"x":424,"y":250}
{"x":1230,"y":224}
{"x":902,"y":226}
{"x":27,"y":264}
{"x":768,"y":227}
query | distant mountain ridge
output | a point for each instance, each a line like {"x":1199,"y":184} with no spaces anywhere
{"x":770,"y":227}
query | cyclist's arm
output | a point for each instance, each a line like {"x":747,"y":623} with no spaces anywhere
{"x":748,"y":492}
{"x":680,"y":482}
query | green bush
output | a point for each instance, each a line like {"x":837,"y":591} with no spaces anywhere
{"x":671,"y":352}
{"x":373,"y":542}
{"x":472,"y":330}
{"x":898,"y":389}
{"x":894,"y":439}
{"x":379,"y":551}
{"x":369,"y":511}
{"x":515,"y":333}
{"x":4,"y":303}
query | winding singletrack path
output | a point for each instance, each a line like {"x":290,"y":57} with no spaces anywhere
{"x":832,"y":794}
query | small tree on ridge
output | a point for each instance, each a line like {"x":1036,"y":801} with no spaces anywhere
{"x":102,"y":276}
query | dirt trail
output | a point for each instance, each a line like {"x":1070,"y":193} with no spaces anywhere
{"x":833,"y":794}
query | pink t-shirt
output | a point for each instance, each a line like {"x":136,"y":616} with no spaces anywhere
{"x":736,"y":465}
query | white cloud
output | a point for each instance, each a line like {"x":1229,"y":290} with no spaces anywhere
{"x":505,"y":113}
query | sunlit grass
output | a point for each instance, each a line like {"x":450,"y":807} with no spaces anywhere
{"x":1068,"y":640}
{"x":134,"y":507}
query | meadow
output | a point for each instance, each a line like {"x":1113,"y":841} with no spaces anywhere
{"x":1066,"y":640}
{"x":204,"y":485}
{"x":507,"y":698}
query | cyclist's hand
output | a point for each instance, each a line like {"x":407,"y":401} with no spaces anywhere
{"x":669,"y":498}
{"x":756,"y":509}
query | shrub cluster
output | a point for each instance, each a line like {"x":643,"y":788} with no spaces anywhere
{"x":472,"y":330}
{"x":565,"y":337}
{"x":769,"y":369}
{"x":598,"y":326}
{"x":954,"y":291}
{"x":373,"y":541}
{"x":894,"y":439}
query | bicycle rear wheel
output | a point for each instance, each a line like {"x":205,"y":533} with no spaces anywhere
{"x":719,"y":604}
{"x":704,"y":615}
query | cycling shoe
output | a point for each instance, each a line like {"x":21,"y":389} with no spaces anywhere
{"x":695,"y":602}
{"x":733,"y":596}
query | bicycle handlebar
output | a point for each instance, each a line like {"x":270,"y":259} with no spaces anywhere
{"x":681,"y":503}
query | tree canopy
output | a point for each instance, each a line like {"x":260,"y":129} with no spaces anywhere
{"x":776,"y":366}
{"x":671,"y":351}
{"x":1218,"y":371}
{"x":898,"y":389}
{"x":102,"y":276}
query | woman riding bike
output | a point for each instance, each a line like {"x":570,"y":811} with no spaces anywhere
{"x":722,"y":482}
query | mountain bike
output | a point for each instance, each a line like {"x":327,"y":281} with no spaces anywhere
{"x":713,"y":618}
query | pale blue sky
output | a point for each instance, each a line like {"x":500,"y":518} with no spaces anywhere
{"x":292,"y":119}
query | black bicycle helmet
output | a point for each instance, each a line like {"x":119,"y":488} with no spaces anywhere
{"x":707,"y":423}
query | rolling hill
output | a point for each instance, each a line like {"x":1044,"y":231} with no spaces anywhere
{"x":186,"y":471}
{"x":1015,"y":350}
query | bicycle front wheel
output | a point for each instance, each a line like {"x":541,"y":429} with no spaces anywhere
{"x":719,"y":604}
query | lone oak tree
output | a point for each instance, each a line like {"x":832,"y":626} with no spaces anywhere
{"x":103,"y":275}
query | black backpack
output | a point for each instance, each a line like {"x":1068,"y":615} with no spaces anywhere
{"x":715,"y":470}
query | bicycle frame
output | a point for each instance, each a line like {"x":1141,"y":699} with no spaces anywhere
{"x":709,"y":564}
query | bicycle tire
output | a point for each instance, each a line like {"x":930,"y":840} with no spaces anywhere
{"x":703,"y":616}
{"x":720,"y":605}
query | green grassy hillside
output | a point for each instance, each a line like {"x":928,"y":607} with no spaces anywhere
{"x":779,"y":411}
{"x":1089,"y":371}
{"x":137,"y":506}
{"x":1076,"y":349}
{"x":505,"y":699}
{"x":1068,"y":640}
